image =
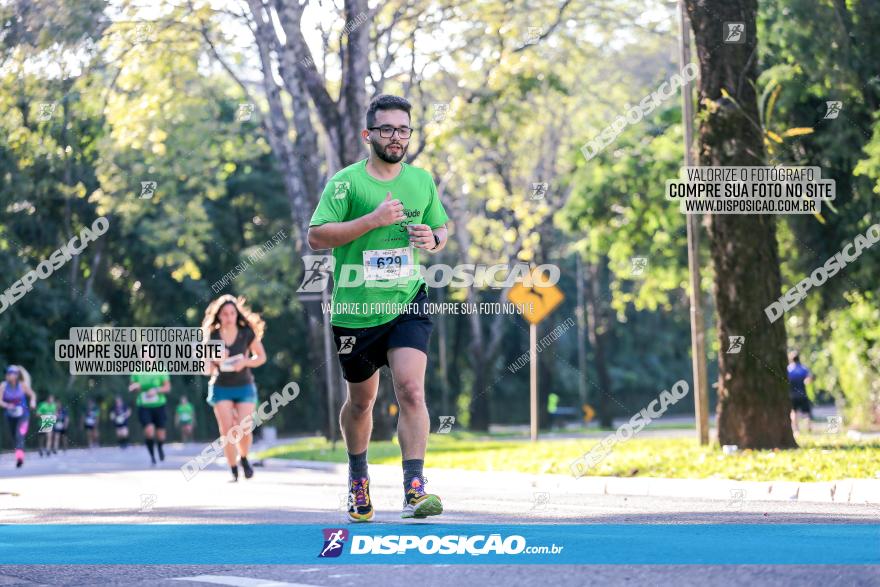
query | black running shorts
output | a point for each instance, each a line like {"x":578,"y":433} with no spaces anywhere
{"x":801,"y":404}
{"x":362,"y":351}
{"x":152,"y":416}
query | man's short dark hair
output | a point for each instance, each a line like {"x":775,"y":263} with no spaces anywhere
{"x":386,"y":102}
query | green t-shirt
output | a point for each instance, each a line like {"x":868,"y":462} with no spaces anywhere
{"x":45,"y":408}
{"x":383,"y":257}
{"x":149,"y":381}
{"x":552,"y":402}
{"x":185,"y":413}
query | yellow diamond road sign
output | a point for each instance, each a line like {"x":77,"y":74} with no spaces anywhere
{"x":538,"y":300}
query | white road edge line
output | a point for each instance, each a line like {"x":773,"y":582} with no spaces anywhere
{"x":239,"y":581}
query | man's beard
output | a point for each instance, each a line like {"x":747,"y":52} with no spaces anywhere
{"x":383,"y":154}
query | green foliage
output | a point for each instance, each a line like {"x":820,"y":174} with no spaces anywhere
{"x":820,"y":458}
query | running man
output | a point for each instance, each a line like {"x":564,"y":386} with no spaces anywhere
{"x":798,"y":378}
{"x":152,"y":388}
{"x":17,"y":396}
{"x":184,"y":418}
{"x":62,"y":422}
{"x":375,"y":215}
{"x":46,"y":413}
{"x":120,"y":414}
{"x":231,"y":390}
{"x":91,"y":420}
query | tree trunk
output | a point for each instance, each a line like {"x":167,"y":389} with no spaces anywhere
{"x":597,"y":332}
{"x":753,"y":404}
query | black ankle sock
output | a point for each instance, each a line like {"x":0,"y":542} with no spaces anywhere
{"x":412,"y":468}
{"x":234,"y":472}
{"x":357,"y":466}
{"x":149,"y":442}
{"x":161,"y":452}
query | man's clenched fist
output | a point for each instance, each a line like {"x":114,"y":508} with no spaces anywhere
{"x":389,"y":212}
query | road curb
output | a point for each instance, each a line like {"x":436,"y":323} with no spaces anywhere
{"x":853,"y":491}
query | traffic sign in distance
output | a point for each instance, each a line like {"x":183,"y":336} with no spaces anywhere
{"x":538,"y":300}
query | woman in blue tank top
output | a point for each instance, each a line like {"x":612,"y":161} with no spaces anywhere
{"x":17,"y":397}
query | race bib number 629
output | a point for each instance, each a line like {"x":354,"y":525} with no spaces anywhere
{"x":388,"y":263}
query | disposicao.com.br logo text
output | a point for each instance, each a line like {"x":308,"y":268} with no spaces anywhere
{"x":475,"y":545}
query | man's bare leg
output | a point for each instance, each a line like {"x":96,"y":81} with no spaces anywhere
{"x":356,"y":416}
{"x":356,"y":423}
{"x":413,"y":425}
{"x":408,"y":371}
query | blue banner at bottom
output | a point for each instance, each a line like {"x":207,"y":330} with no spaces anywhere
{"x":286,"y":544}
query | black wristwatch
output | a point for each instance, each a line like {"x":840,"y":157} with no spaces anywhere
{"x":436,"y":242}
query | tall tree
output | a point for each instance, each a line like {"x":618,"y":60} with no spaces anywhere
{"x":753,"y":403}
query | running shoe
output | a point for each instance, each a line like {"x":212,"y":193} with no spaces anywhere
{"x":360,"y":506}
{"x":419,"y":504}
{"x":246,"y":466}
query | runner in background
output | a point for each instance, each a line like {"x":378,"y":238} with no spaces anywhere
{"x":231,"y":389}
{"x":17,"y":396}
{"x":798,"y":379}
{"x":184,"y":418}
{"x":62,"y":423}
{"x":152,"y":389}
{"x":120,"y":414}
{"x":91,"y":420}
{"x":46,"y":414}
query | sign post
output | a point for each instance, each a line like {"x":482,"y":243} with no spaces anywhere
{"x":538,"y":300}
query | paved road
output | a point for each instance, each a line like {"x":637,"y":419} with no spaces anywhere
{"x":114,"y":486}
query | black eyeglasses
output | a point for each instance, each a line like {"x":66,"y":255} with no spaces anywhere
{"x":386,"y":131}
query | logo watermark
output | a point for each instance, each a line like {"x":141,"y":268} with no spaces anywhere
{"x":446,"y":424}
{"x":539,"y":190}
{"x":545,"y":341}
{"x":735,"y":32}
{"x":56,"y":261}
{"x":148,"y":500}
{"x":834,"y":425}
{"x":252,"y":259}
{"x":334,"y":539}
{"x":533,"y":35}
{"x":245,"y":111}
{"x":737,"y":498}
{"x":47,"y":422}
{"x":148,"y":189}
{"x":47,"y":109}
{"x":848,"y":254}
{"x":625,"y":431}
{"x":265,"y":412}
{"x":635,"y":114}
{"x":540,"y":499}
{"x":638,"y":265}
{"x":346,"y":345}
{"x":832,"y":109}
{"x":735,"y":344}
{"x":441,"y":111}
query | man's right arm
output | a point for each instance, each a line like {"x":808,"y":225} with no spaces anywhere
{"x":335,"y":234}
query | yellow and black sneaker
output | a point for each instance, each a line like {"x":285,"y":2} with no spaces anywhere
{"x":360,"y":506}
{"x":419,"y":504}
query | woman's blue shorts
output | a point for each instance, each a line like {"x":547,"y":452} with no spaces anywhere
{"x":239,"y":394}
